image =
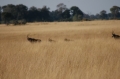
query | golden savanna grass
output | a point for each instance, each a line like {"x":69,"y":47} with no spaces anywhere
{"x":92,"y":53}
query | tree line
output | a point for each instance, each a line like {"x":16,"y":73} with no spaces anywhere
{"x":20,"y":14}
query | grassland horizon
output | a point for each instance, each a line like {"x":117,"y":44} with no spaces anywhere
{"x":91,"y":53}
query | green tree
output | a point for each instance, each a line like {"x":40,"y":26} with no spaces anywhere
{"x":76,"y":13}
{"x":6,"y":16}
{"x":45,"y":13}
{"x":54,"y":15}
{"x":66,"y":15}
{"x":10,"y":8}
{"x":21,"y":11}
{"x":115,"y":10}
{"x":76,"y":10}
{"x":109,"y":15}
{"x":103,"y":14}
{"x":18,"y":11}
{"x":33,"y":14}
{"x":97,"y":16}
{"x":33,"y":8}
{"x":61,"y":7}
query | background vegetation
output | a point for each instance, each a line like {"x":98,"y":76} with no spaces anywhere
{"x":20,"y":14}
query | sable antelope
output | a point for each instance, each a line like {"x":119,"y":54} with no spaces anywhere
{"x":32,"y":40}
{"x":50,"y":40}
{"x":115,"y":36}
{"x":67,"y":39}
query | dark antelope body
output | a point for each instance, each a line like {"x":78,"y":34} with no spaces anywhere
{"x":67,"y":39}
{"x":33,"y":40}
{"x":115,"y":35}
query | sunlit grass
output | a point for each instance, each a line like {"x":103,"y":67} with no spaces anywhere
{"x":92,"y":53}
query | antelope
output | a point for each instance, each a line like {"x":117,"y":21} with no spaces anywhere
{"x":32,"y":40}
{"x":67,"y":39}
{"x":115,"y":36}
{"x":50,"y":40}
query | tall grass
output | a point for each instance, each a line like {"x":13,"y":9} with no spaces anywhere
{"x":93,"y":53}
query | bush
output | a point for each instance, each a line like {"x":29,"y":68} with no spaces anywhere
{"x":22,"y":22}
{"x":85,"y":19}
{"x":2,"y":22}
{"x":19,"y":22}
{"x":77,"y":17}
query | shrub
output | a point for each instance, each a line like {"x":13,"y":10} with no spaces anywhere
{"x":19,"y":22}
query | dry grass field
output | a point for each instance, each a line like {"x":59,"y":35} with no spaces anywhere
{"x":91,"y":53}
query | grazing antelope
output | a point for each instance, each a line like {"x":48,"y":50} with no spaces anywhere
{"x":32,"y":40}
{"x":115,"y":36}
{"x":67,"y":39}
{"x":50,"y":40}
